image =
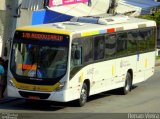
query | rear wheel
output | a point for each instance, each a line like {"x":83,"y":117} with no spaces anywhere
{"x":128,"y":84}
{"x":83,"y":95}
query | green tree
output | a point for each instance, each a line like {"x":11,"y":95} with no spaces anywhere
{"x":155,"y":16}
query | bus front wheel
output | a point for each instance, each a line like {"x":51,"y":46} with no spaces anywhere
{"x":128,"y":84}
{"x":83,"y":95}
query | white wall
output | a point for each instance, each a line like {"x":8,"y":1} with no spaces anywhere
{"x":2,"y":4}
{"x":32,"y":4}
{"x":101,"y":5}
{"x":22,"y":21}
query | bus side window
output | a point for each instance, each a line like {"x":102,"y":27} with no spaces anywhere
{"x":87,"y":49}
{"x":151,"y":38}
{"x":142,"y":41}
{"x":131,"y":44}
{"x":110,"y":46}
{"x":99,"y":47}
{"x":76,"y":55}
{"x":121,"y":44}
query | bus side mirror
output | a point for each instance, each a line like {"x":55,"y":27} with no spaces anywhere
{"x":77,"y":55}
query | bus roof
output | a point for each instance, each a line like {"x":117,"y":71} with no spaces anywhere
{"x":81,"y":29}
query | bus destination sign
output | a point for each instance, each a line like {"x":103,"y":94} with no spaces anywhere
{"x":42,"y":36}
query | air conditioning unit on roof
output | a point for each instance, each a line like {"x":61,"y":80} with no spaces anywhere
{"x":113,"y":20}
{"x":85,"y":20}
{"x":103,"y":21}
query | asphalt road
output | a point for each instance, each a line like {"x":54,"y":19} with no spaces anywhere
{"x":144,"y":98}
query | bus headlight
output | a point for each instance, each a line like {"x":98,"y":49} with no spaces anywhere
{"x":60,"y":87}
{"x":11,"y":83}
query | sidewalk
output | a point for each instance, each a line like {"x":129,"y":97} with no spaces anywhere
{"x":157,"y":62}
{"x":7,"y":99}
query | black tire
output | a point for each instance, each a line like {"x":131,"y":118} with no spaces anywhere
{"x":83,"y":95}
{"x":128,"y":84}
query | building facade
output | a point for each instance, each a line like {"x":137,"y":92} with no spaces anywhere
{"x":7,"y":23}
{"x":15,"y":13}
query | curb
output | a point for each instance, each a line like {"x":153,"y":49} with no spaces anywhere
{"x":157,"y":64}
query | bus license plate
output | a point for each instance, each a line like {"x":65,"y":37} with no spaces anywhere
{"x":34,"y":97}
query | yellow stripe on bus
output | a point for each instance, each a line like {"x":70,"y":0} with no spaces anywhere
{"x":90,"y":33}
{"x":44,"y":30}
{"x":146,"y":63}
{"x":113,"y":70}
{"x":31,"y":87}
{"x":81,"y":78}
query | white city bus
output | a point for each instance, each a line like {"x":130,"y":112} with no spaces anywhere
{"x":85,"y":56}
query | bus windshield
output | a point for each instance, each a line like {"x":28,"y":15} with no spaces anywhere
{"x":38,"y":61}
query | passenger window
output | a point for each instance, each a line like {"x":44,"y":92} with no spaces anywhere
{"x":142,"y":42}
{"x":132,"y":43}
{"x":151,"y":37}
{"x":87,"y":49}
{"x":76,"y":54}
{"x":99,"y":47}
{"x":121,"y":44}
{"x":110,"y":46}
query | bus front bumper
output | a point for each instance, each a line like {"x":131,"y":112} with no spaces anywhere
{"x":59,"y":96}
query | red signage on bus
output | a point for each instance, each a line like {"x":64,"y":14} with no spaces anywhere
{"x":53,"y":3}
